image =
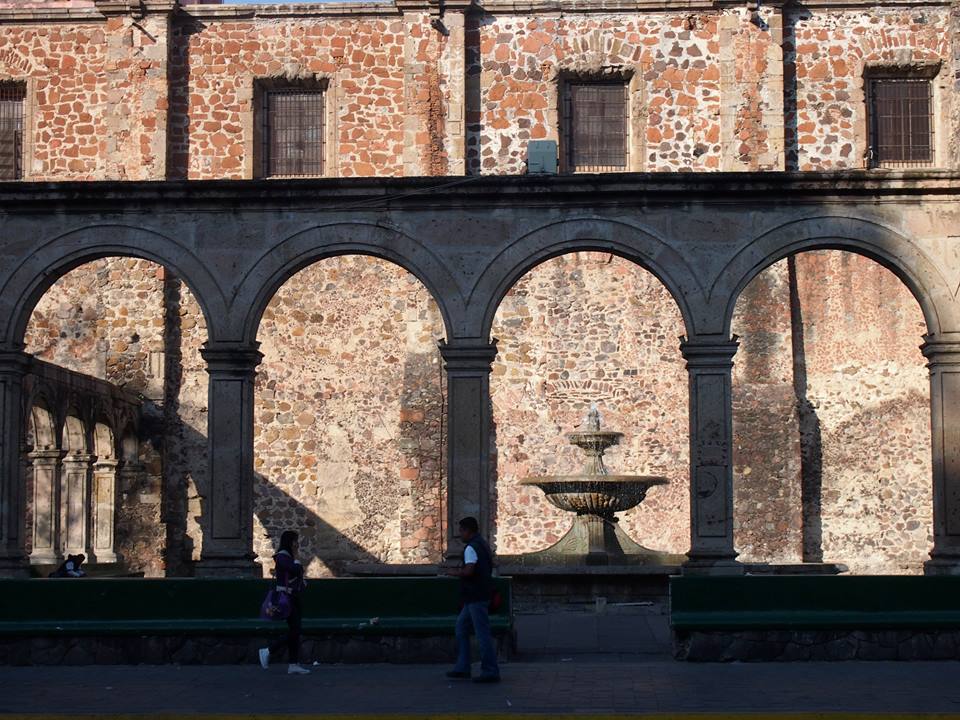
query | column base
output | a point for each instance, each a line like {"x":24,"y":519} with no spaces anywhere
{"x":942,"y":566}
{"x":14,"y":567}
{"x":707,"y":565}
{"x":228,"y":567}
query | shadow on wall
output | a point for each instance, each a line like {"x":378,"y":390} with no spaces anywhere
{"x":178,"y":90}
{"x":811,"y":439}
{"x":319,"y":540}
{"x":790,"y":129}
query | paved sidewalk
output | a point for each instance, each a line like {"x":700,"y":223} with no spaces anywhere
{"x":587,"y":686}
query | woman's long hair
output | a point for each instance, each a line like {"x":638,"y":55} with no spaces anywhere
{"x":287,"y":540}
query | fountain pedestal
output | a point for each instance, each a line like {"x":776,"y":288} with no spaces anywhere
{"x":596,"y":496}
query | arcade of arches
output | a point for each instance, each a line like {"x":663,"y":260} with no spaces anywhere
{"x":830,"y":412}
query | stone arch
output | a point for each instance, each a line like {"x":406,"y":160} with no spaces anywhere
{"x":104,"y":444}
{"x":630,"y":242}
{"x":42,"y":425}
{"x":29,"y":281}
{"x":74,"y":433}
{"x":864,"y":237}
{"x":311,"y":245}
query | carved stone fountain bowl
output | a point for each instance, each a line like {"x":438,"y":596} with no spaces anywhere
{"x":597,"y":495}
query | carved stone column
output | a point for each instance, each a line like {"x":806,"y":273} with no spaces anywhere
{"x":13,"y":367}
{"x":468,"y":436}
{"x":943,"y":360}
{"x":103,"y":503}
{"x":228,"y":505}
{"x":46,"y":506}
{"x":75,"y":503}
{"x":709,"y":364}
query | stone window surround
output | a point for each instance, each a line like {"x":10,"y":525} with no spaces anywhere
{"x":906,"y":66}
{"x":556,"y":78}
{"x":29,"y":130}
{"x":330,"y":86}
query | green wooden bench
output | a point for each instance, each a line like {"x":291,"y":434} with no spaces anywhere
{"x":218,"y":606}
{"x":739,"y":618}
{"x":343,"y":608}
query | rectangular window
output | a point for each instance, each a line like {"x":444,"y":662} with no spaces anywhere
{"x":901,"y":122}
{"x":594,"y":126}
{"x":12,"y":97}
{"x":292,"y":132}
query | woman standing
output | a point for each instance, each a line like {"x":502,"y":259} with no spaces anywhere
{"x":289,"y":574}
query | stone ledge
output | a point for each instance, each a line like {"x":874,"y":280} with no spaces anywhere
{"x":229,"y":650}
{"x":815,"y":645}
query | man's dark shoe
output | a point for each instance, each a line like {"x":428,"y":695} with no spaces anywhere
{"x":487,"y":679}
{"x":458,"y":675}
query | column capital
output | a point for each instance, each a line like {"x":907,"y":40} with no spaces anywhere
{"x":469,"y":354}
{"x":231,"y":358}
{"x":941,"y":349}
{"x":709,"y":350}
{"x":14,"y":361}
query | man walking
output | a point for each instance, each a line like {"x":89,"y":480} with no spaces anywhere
{"x":476,"y":592}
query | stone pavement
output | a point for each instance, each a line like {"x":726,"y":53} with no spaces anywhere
{"x":615,"y":661}
{"x":554,"y":687}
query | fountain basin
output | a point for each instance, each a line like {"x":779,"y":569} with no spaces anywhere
{"x":601,"y":495}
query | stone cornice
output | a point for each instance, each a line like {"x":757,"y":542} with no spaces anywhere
{"x":375,"y":194}
{"x":298,"y":10}
{"x":102,"y":10}
{"x":268,"y":10}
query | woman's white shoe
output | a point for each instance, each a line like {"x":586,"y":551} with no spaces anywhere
{"x":264,"y":658}
{"x":295,"y":669}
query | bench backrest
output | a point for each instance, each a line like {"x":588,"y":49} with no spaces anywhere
{"x":864,"y":593}
{"x":196,"y":598}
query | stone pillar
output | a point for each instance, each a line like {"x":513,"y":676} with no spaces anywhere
{"x":467,"y":363}
{"x":228,"y":505}
{"x":46,"y":506}
{"x":75,"y":503}
{"x":103,"y":504}
{"x":13,"y":367}
{"x":709,"y":364}
{"x":943,"y":360}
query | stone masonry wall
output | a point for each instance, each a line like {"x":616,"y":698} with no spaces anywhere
{"x":214,"y":67}
{"x":766,"y":454}
{"x":97,"y":97}
{"x":826,"y":52}
{"x":832,"y":418}
{"x":349,"y":413}
{"x":672,"y":60}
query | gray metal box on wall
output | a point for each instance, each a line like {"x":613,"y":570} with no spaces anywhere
{"x":542,"y":157}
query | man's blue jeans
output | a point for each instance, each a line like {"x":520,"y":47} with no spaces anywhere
{"x":475,"y":614}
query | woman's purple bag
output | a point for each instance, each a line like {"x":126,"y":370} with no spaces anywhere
{"x":276,"y":605}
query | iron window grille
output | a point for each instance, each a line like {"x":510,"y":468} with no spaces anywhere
{"x":12,"y":98}
{"x":900,"y":122}
{"x":292,"y":132}
{"x":595,"y":124}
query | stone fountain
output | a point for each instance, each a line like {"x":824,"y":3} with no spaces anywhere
{"x":596,"y":496}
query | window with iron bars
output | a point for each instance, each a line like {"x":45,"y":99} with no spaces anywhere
{"x":12,"y":98}
{"x":900,"y":122}
{"x":292,"y":142}
{"x":594,"y":126}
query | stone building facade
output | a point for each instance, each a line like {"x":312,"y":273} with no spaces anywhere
{"x":831,"y":450}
